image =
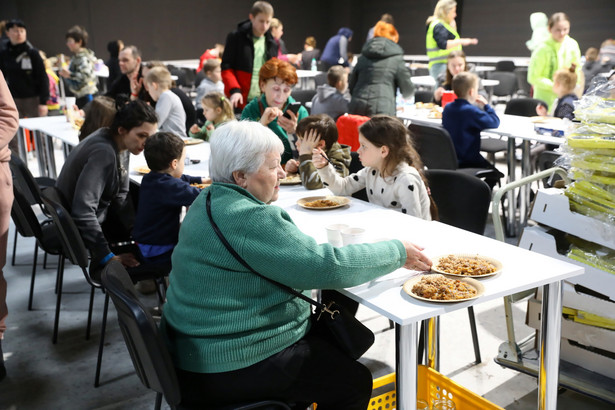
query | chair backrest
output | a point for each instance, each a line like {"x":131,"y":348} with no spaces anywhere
{"x":72,"y":243}
{"x":424,"y":96}
{"x":507,"y":85}
{"x":463,"y":200}
{"x":434,"y":145}
{"x":23,"y":215}
{"x":148,"y":351}
{"x":23,"y":178}
{"x":546,"y":160}
{"x":525,"y":107}
{"x":505,"y":65}
{"x":348,"y":129}
{"x":524,"y":87}
{"x":303,"y":96}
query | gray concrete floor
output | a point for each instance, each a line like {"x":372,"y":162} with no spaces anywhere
{"x":42,"y":375}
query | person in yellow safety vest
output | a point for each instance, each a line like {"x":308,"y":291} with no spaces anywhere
{"x":442,"y":36}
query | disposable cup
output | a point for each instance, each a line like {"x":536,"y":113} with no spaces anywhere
{"x":353,"y":235}
{"x":70,"y":101}
{"x":334,"y":234}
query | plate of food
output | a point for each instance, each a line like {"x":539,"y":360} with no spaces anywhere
{"x":440,"y":289}
{"x":192,"y":141}
{"x":427,"y":105}
{"x":200,"y":186}
{"x":321,"y":203}
{"x":291,"y":179}
{"x":142,"y":170}
{"x":466,"y":264}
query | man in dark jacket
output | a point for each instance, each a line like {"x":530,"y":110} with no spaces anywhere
{"x":130,"y":67}
{"x":240,"y":62}
{"x":336,"y":50}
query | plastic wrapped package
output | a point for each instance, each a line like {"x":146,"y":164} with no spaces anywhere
{"x":597,"y":105}
{"x":597,"y":177}
{"x":592,"y":254}
{"x":594,"y":200}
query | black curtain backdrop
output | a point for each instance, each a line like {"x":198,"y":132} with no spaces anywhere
{"x":183,"y":29}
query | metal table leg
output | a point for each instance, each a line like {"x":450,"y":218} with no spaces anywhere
{"x":51,"y":158}
{"x":524,"y":191}
{"x":21,"y":145}
{"x":511,"y":225}
{"x":550,"y":337}
{"x":407,"y":366}
{"x":41,"y":153}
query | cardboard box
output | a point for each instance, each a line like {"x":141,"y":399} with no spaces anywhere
{"x":551,"y":208}
{"x":537,"y":239}
{"x":594,"y":362}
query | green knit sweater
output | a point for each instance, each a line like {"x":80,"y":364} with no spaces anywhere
{"x":219,"y":316}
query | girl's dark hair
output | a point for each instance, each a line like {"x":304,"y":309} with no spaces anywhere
{"x":384,"y":130}
{"x":100,"y":112}
{"x":161,"y":149}
{"x":133,"y":115}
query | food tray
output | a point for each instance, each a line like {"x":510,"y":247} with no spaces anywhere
{"x":431,"y":386}
{"x":496,"y":263}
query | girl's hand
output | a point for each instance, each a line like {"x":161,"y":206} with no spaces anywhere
{"x":195,"y":129}
{"x":270,"y":114}
{"x":437,"y":95}
{"x":210,"y":127}
{"x":288,"y":125}
{"x":292,"y":166}
{"x":541,"y":110}
{"x":309,"y":142}
{"x":415,"y":259}
{"x":319,"y":158}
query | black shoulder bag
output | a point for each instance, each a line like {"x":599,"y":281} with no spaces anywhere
{"x":348,"y":333}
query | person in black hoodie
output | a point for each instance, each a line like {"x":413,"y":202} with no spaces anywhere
{"x":25,"y":74}
{"x":240,"y":64}
{"x":114,"y":47}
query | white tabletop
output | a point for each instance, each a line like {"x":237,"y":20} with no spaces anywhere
{"x":308,"y":73}
{"x":192,"y":64}
{"x":428,"y":81}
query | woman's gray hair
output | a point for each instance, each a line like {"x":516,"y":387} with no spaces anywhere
{"x":240,"y":146}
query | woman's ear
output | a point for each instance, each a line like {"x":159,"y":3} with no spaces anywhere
{"x":121,"y":131}
{"x":240,"y":178}
{"x":384,"y":151}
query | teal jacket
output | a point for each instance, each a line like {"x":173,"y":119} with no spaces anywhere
{"x":219,"y":316}
{"x":546,"y":60}
{"x":252,"y":112}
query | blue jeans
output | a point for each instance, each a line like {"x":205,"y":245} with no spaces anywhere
{"x":437,"y":69}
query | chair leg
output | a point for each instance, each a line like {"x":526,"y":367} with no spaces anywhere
{"x":14,"y":248}
{"x":45,"y":261}
{"x":158,"y":403}
{"x":54,"y":338}
{"x":474,"y":334}
{"x":103,"y":328}
{"x":91,"y":307}
{"x":34,"y":262}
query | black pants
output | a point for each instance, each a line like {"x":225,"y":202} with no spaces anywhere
{"x":311,"y":370}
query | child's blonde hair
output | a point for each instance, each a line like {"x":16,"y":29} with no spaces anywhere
{"x":567,"y":77}
{"x":384,"y":130}
{"x":160,"y":76}
{"x":218,"y":100}
{"x":210,"y":65}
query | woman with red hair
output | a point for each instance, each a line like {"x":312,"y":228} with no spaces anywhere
{"x":276,"y":80}
{"x":379,"y":72}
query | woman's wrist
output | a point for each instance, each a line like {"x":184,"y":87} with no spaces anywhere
{"x":107,"y":258}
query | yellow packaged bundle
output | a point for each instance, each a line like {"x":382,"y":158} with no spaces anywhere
{"x":598,"y":177}
{"x":600,"y":259}
{"x":594,"y":163}
{"x":595,"y":141}
{"x":596,"y":109}
{"x":591,"y":200}
{"x":587,"y":318}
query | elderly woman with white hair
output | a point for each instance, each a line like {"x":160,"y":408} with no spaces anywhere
{"x":236,"y":337}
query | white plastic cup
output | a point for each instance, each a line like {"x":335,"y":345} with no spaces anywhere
{"x":334,"y":234}
{"x":70,"y":102}
{"x":353,"y":235}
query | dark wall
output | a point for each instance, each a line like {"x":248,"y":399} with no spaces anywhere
{"x":183,"y":29}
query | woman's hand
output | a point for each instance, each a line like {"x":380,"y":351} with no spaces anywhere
{"x":319,"y":159}
{"x":292,"y":166}
{"x":195,"y":129}
{"x":236,"y":100}
{"x":288,"y":125}
{"x":127,"y":259}
{"x":270,"y":114}
{"x":468,"y":41}
{"x":415,"y":259}
{"x":309,"y":142}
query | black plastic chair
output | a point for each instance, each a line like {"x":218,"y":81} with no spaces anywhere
{"x":74,"y":249}
{"x":303,"y":96}
{"x":28,"y":225}
{"x":525,"y":107}
{"x":463,"y":201}
{"x":524,"y":88}
{"x":546,"y":160}
{"x":507,"y":86}
{"x":424,"y":96}
{"x":147,"y":350}
{"x":30,"y":186}
{"x":505,"y":65}
{"x":436,"y":149}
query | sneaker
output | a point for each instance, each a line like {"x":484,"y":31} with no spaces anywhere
{"x":2,"y":368}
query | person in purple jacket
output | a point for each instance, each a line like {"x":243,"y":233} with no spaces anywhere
{"x":164,"y":191}
{"x":465,"y":118}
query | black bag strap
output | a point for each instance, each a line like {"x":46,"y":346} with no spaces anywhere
{"x":321,"y":306}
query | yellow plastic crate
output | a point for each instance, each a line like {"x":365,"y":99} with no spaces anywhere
{"x":432,"y":386}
